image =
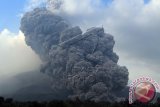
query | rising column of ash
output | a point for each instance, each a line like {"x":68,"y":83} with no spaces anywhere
{"x":82,"y":63}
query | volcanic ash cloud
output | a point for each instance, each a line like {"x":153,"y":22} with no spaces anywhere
{"x":84,"y":64}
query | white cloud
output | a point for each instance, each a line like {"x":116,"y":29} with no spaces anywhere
{"x":15,"y":56}
{"x":139,"y":68}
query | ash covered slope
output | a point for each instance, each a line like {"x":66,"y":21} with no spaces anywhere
{"x":84,"y":64}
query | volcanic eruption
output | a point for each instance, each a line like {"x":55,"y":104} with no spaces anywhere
{"x":82,"y":64}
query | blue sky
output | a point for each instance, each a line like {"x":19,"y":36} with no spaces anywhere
{"x":9,"y":17}
{"x":146,"y":1}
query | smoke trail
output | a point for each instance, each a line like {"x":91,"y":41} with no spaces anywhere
{"x":82,"y":63}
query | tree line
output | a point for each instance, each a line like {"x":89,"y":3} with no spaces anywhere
{"x":9,"y":102}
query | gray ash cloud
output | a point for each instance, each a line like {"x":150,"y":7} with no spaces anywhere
{"x":82,"y":63}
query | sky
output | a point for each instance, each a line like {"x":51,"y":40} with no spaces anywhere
{"x":15,"y":56}
{"x":9,"y":17}
{"x":133,"y":23}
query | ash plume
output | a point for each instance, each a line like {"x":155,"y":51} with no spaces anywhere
{"x":82,"y":63}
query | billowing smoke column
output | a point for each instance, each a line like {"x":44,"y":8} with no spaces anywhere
{"x":82,"y":63}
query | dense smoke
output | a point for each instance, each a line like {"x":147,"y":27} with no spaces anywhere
{"x":82,"y":63}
